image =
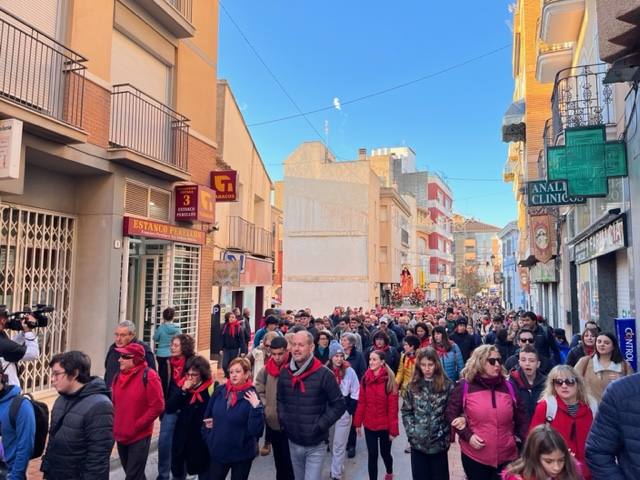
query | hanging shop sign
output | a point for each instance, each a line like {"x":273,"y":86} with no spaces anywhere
{"x":606,"y":240}
{"x":550,"y":192}
{"x":139,"y":227}
{"x":543,"y":237}
{"x":544,"y":272}
{"x":195,"y":203}
{"x":626,"y":333}
{"x":523,"y":272}
{"x":225,"y":184}
{"x":10,"y":148}
{"x":587,"y":161}
{"x":226,"y":273}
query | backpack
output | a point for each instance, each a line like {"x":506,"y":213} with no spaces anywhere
{"x":552,"y":407}
{"x":41,"y":413}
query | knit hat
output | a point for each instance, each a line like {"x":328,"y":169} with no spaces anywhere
{"x":335,"y":348}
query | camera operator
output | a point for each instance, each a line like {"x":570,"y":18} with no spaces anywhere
{"x":23,"y":346}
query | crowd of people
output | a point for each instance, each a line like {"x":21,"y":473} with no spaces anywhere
{"x":523,"y":402}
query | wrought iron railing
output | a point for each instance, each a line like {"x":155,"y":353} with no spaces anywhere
{"x":581,"y":98}
{"x":39,"y":73}
{"x":245,"y":236}
{"x":184,"y":7}
{"x":146,"y":126}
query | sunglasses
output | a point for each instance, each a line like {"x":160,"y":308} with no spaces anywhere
{"x":493,"y":361}
{"x":527,"y":340}
{"x":564,"y":381}
{"x":126,"y":357}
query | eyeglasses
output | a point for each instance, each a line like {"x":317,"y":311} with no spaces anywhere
{"x":527,"y":340}
{"x":126,"y":357}
{"x":494,"y":360}
{"x":569,"y":382}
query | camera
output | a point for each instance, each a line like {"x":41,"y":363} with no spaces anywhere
{"x":39,"y":314}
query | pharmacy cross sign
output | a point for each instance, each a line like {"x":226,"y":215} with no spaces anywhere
{"x":586,"y":161}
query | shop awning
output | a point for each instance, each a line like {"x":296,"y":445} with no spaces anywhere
{"x":530,"y":261}
{"x":513,"y":126}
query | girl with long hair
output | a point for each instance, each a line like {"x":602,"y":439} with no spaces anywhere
{"x":233,"y":340}
{"x":422,"y":332}
{"x":423,"y":409}
{"x":604,"y":366}
{"x":586,"y":347}
{"x":495,"y":417}
{"x":567,"y":406}
{"x":545,"y":456}
{"x":449,"y":353}
{"x":378,"y":411}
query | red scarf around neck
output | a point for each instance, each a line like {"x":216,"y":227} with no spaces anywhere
{"x":233,"y":390}
{"x":371,"y":377}
{"x":337,"y":372}
{"x":273,"y":368}
{"x":409,"y":359}
{"x":195,"y":392}
{"x":177,"y":367}
{"x":233,"y":328}
{"x":299,"y":379}
{"x":425,"y":342}
{"x":588,"y":351}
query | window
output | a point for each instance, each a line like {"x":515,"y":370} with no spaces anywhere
{"x":144,"y":201}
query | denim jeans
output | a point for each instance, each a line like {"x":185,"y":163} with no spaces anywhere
{"x":165,"y":439}
{"x":307,"y":461}
{"x":340,"y":436}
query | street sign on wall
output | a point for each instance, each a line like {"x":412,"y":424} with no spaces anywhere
{"x":550,"y":192}
{"x":626,"y":333}
{"x":586,"y":161}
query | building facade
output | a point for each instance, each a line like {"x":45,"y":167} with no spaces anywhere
{"x":476,"y":247}
{"x":512,"y":295}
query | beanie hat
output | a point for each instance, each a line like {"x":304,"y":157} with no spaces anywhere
{"x":335,"y":348}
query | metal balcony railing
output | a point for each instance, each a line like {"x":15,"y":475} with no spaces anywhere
{"x":184,"y":7}
{"x":580,"y":98}
{"x":39,"y":73}
{"x":245,"y":236}
{"x":146,"y":126}
{"x":263,"y":245}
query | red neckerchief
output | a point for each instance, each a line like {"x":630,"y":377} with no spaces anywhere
{"x":440,"y":349}
{"x":298,"y":379}
{"x":234,"y":327}
{"x":588,"y":351}
{"x":425,"y":342}
{"x":370,"y":376}
{"x":195,"y":392}
{"x":234,"y":389}
{"x":273,"y":369}
{"x":383,"y":349}
{"x":409,"y":359}
{"x":337,"y":372}
{"x":177,"y":367}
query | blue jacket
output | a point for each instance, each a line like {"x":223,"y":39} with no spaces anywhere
{"x":236,"y":430}
{"x":615,"y":433}
{"x":163,"y":336}
{"x":452,"y":363}
{"x":18,"y":442}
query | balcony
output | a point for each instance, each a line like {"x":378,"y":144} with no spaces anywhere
{"x":561,"y":20}
{"x":41,"y":81}
{"x":442,"y":231}
{"x":551,"y":59}
{"x":174,"y":15}
{"x":148,"y":135}
{"x":580,"y":99}
{"x":439,"y":206}
{"x":245,"y":236}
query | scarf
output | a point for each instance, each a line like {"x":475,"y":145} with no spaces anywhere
{"x":425,"y":342}
{"x":124,"y":376}
{"x":588,"y":351}
{"x":371,"y":377}
{"x":442,"y":352}
{"x":337,"y":372}
{"x":409,"y":359}
{"x":233,"y":328}
{"x":383,"y":349}
{"x":312,"y":365}
{"x":177,"y":367}
{"x":273,"y":369}
{"x":195,"y":392}
{"x":233,"y":390}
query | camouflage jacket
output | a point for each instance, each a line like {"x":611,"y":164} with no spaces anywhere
{"x":423,"y":418}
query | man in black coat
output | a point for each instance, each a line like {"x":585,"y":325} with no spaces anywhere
{"x":309,"y":402}
{"x":125,"y":334}
{"x":466,"y":343}
{"x":81,"y":435}
{"x":545,"y":342}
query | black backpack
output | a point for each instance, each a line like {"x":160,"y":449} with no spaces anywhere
{"x":41,"y":413}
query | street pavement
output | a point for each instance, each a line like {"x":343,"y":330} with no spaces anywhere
{"x":355,"y":468}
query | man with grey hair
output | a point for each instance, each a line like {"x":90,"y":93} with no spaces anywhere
{"x":309,"y":402}
{"x":125,"y":334}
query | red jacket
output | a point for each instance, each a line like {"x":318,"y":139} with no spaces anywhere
{"x":377,"y":409}
{"x":564,"y":423}
{"x":136,"y":405}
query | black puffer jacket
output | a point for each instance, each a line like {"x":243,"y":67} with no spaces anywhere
{"x":81,"y":448}
{"x":614,"y":441}
{"x":306,"y":417}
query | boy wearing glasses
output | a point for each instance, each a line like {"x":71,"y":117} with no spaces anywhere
{"x":527,"y":379}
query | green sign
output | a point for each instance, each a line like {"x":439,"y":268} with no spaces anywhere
{"x":586,"y":161}
{"x":550,"y":192}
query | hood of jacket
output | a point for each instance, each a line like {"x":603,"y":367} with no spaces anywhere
{"x":8,"y":393}
{"x":520,"y":378}
{"x":94,"y":386}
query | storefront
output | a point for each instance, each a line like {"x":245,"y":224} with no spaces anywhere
{"x":160,"y":268}
{"x":544,"y":291}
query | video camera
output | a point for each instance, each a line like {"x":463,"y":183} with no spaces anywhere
{"x":15,"y":319}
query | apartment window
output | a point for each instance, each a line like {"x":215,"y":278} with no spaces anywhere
{"x":144,"y":201}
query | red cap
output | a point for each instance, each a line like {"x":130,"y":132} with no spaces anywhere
{"x":133,"y":348}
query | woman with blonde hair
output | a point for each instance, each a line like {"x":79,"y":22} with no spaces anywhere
{"x":495,"y":417}
{"x":567,"y":406}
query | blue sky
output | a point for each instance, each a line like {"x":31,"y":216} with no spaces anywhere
{"x":320,"y":50}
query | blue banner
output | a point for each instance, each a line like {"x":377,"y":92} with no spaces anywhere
{"x":626,"y":333}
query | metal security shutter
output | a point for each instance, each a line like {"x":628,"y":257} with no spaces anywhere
{"x":132,"y":64}
{"x":186,"y":286}
{"x":41,"y":14}
{"x":622,"y":281}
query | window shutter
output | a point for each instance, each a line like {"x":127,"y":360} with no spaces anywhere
{"x":136,"y":199}
{"x":159,"y":204}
